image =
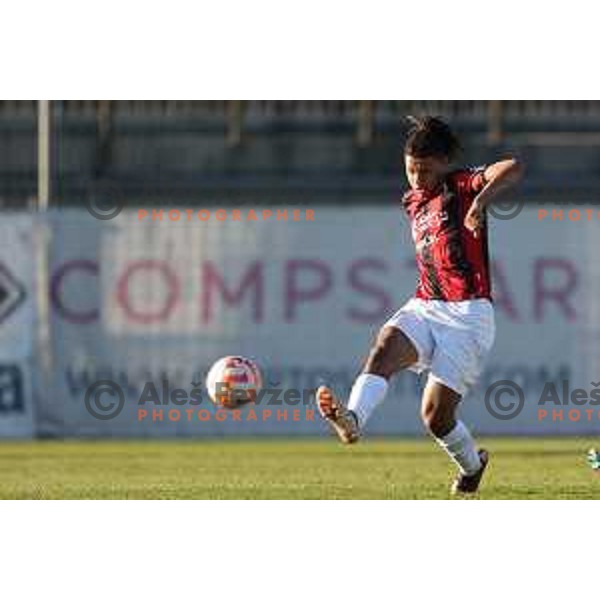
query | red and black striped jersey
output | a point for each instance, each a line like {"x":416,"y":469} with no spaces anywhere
{"x":452,"y":263}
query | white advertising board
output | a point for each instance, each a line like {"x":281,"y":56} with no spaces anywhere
{"x":140,"y":301}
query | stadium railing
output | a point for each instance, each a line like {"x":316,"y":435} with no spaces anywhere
{"x":181,"y":147}
{"x":495,"y":117}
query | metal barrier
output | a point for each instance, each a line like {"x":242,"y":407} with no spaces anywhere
{"x":495,"y":118}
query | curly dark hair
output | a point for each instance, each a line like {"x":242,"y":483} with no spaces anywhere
{"x":431,"y":136}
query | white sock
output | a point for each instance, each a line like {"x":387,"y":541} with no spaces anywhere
{"x":367,"y":393}
{"x":460,"y":447}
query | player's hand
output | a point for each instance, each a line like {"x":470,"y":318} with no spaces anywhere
{"x":475,"y":217}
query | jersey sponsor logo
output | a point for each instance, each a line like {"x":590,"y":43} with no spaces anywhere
{"x":428,"y":220}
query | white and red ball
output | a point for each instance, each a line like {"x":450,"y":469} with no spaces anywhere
{"x":233,"y":381}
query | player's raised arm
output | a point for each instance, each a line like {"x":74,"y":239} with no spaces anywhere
{"x":498,"y":177}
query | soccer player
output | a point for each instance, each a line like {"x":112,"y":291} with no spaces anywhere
{"x":448,"y":328}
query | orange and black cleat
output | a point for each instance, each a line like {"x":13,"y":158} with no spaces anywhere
{"x":343,"y":421}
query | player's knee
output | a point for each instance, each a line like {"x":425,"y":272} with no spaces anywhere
{"x":437,"y":422}
{"x":386,"y":354}
{"x":381,"y":359}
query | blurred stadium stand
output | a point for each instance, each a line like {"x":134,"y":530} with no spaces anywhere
{"x":217,"y":152}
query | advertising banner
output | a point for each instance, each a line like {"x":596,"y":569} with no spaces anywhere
{"x":146,"y":306}
{"x":17,"y":324}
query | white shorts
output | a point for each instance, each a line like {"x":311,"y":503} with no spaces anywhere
{"x":452,"y":339}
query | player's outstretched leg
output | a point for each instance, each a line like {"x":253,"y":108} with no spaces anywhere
{"x":438,"y":412}
{"x":392,"y":352}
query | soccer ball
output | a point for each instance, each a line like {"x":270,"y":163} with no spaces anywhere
{"x":233,"y":381}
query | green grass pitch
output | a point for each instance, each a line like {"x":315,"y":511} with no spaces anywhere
{"x":288,"y":469}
